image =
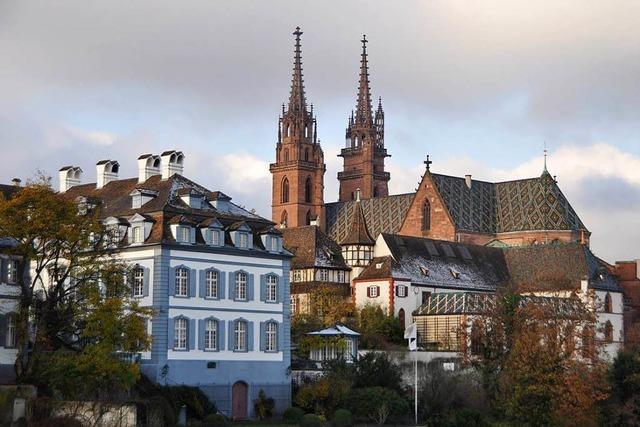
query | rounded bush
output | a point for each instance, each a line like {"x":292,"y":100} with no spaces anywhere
{"x":215,"y":420}
{"x":310,"y":420}
{"x":342,"y":418}
{"x":292,"y":415}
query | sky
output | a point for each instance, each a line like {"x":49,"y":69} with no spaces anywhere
{"x":480,"y":86}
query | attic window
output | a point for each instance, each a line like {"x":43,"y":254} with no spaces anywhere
{"x":424,"y":271}
{"x":455,"y":273}
{"x":379,"y":265}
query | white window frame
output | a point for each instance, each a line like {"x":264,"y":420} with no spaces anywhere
{"x":214,"y":237}
{"x":184,"y":234}
{"x":271,"y":290}
{"x":243,"y":240}
{"x":241,"y":285}
{"x":274,"y":244}
{"x":211,"y":284}
{"x":11,"y":340}
{"x":136,"y":236}
{"x":240,"y":336}
{"x":211,"y":335}
{"x":403,"y":291}
{"x":373,"y":291}
{"x":293,"y":300}
{"x":12,"y":271}
{"x":180,"y":333}
{"x":138,"y":282}
{"x":341,"y":276}
{"x":324,"y":275}
{"x":297,"y":275}
{"x":182,"y":282}
{"x":271,"y":339}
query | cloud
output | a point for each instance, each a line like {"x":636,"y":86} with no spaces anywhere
{"x":94,"y":137}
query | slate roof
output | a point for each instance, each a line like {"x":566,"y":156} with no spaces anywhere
{"x":114,"y":200}
{"x":444,"y":264}
{"x":382,"y":215}
{"x":312,"y":248}
{"x":539,"y":268}
{"x":520,"y":205}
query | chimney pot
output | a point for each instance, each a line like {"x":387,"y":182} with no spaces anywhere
{"x":69,"y":176}
{"x":106,"y":171}
{"x":148,"y":166}
{"x":172,"y":163}
{"x":16,"y":181}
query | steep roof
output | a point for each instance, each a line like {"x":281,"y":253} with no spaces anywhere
{"x":114,"y":200}
{"x":446,"y":264}
{"x":520,"y":205}
{"x":358,"y":233}
{"x":312,"y":248}
{"x":382,"y":215}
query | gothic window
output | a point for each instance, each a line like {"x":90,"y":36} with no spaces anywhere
{"x":401,"y":316}
{"x":608,"y":332}
{"x":587,"y":342}
{"x":283,"y":218}
{"x":307,"y":190}
{"x":286,"y":155}
{"x":306,"y":155}
{"x":288,"y":133}
{"x":308,"y":219}
{"x":608,"y":306}
{"x":426,"y":216}
{"x":285,"y":190}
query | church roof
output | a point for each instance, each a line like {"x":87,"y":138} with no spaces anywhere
{"x":520,"y":205}
{"x":358,"y":233}
{"x":382,"y":215}
{"x":312,"y":248}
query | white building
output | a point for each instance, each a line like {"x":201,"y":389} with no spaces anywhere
{"x":216,"y":275}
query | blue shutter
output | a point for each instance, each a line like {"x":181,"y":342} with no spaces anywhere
{"x":192,"y":282}
{"x":263,"y":287}
{"x":280,"y":288}
{"x":203,"y":284}
{"x":147,"y":277}
{"x":172,"y":281}
{"x":191,"y":334}
{"x":250,"y":287}
{"x":232,"y":324}
{"x":3,"y":270}
{"x":249,"y":336}
{"x":170,"y":333}
{"x":232,"y":285}
{"x":221,"y":334}
{"x":280,"y":336}
{"x":221,"y":284}
{"x":263,"y":336}
{"x":201,"y":325}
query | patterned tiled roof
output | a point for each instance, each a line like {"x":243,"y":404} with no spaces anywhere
{"x":521,"y":205}
{"x":358,"y":233}
{"x":382,"y":214}
{"x":312,"y":248}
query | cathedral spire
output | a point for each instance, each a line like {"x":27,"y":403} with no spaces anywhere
{"x":297,"y":99}
{"x":363,"y":110}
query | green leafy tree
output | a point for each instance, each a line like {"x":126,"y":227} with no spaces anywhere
{"x":377,"y":404}
{"x":378,"y":330}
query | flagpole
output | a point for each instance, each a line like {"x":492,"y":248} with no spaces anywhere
{"x":415,"y":388}
{"x":411,"y":334}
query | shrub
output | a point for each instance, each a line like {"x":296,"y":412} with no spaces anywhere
{"x":58,"y":422}
{"x":377,"y":404}
{"x":311,"y":420}
{"x":264,"y":406}
{"x":216,"y":420}
{"x":292,"y":415}
{"x":342,"y":418}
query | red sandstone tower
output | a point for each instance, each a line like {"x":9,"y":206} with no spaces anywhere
{"x":364,"y":154}
{"x":298,"y":173}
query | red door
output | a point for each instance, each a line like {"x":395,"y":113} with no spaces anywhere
{"x":239,"y":398}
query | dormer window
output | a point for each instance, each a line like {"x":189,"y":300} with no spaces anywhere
{"x":214,"y":237}
{"x":140,"y":196}
{"x":140,"y":228}
{"x":455,"y":273}
{"x":191,"y":198}
{"x":241,"y":236}
{"x":243,"y":240}
{"x":136,"y":235}
{"x":184,"y":234}
{"x":424,"y":271}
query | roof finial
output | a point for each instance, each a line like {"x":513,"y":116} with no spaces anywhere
{"x":545,"y":158}
{"x":358,"y":194}
{"x":297,"y":99}
{"x":428,"y":162}
{"x":363,"y":109}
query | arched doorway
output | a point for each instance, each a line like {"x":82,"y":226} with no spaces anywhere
{"x":239,"y":398}
{"x":401,"y":316}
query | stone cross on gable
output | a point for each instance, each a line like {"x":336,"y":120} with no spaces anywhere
{"x":428,"y":162}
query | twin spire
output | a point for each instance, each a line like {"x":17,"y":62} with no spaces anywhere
{"x":363,"y":104}
{"x":297,"y":99}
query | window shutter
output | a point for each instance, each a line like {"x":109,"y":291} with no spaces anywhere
{"x":191,"y":334}
{"x":280,"y":336}
{"x":192,"y":282}
{"x":368,"y":291}
{"x":263,"y":287}
{"x":280,"y":288}
{"x":221,"y":335}
{"x":250,"y":336}
{"x":201,"y":325}
{"x":192,"y":234}
{"x":249,"y":287}
{"x":3,"y":270}
{"x":146,"y":279}
{"x":203,"y":284}
{"x":232,"y":285}
{"x":221,"y":284}
{"x":172,"y":281}
{"x":263,"y":336}
{"x":3,"y":328}
{"x":397,"y":291}
{"x":170,"y":333}
{"x":232,"y":325}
